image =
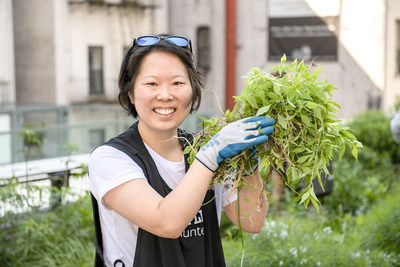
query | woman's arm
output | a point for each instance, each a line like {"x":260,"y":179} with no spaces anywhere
{"x":253,"y":205}
{"x":138,"y":202}
{"x":166,"y":217}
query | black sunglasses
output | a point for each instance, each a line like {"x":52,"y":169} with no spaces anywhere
{"x":152,"y":40}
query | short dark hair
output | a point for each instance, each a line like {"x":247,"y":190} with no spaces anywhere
{"x":131,"y":65}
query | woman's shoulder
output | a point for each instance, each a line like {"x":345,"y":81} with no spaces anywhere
{"x":105,"y":154}
{"x":105,"y":150}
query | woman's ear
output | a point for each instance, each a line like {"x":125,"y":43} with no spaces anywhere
{"x":130,"y":94}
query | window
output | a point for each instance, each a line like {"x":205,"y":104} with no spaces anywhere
{"x":96,"y":86}
{"x":203,"y":48}
{"x":398,"y":47}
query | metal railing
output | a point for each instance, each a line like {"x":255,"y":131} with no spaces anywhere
{"x":75,"y":130}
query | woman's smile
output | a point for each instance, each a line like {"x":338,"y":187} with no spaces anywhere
{"x":164,"y":111}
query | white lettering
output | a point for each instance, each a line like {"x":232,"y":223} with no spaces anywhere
{"x":199,"y":231}
{"x":199,"y":217}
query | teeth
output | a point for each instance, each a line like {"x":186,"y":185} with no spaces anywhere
{"x":164,"y":111}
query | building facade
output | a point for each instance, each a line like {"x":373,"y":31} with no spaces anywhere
{"x":67,"y":53}
{"x":358,"y":50}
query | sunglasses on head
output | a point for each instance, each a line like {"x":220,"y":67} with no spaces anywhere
{"x":152,"y":40}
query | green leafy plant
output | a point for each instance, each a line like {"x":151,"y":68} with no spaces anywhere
{"x":310,"y":240}
{"x":61,"y":237}
{"x":372,"y":128}
{"x":379,"y":229}
{"x":356,"y":187}
{"x":307,"y":132}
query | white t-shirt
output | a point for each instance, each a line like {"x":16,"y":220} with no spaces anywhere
{"x":395,"y":127}
{"x":109,"y":168}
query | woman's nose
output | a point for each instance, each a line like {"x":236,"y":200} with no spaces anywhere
{"x":165,"y":93}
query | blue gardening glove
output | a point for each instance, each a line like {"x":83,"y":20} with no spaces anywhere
{"x":233,"y":138}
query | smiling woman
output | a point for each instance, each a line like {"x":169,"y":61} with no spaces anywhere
{"x":150,"y":207}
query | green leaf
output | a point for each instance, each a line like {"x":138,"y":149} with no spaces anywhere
{"x":354,"y":151}
{"x":283,"y":59}
{"x":315,"y":204}
{"x":302,"y":159}
{"x":277,"y":89}
{"x":282,"y":121}
{"x":203,"y":118}
{"x":306,"y":120}
{"x":293,"y":64}
{"x":272,"y":95}
{"x":251,"y":100}
{"x":305,"y":196}
{"x":263,"y":110}
{"x":311,"y":105}
{"x":317,"y":113}
{"x":349,"y":135}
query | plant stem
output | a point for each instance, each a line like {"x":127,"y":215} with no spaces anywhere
{"x":240,"y":226}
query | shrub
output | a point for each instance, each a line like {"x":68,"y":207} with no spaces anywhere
{"x":357,"y":185}
{"x":53,"y":238}
{"x":302,"y":241}
{"x":380,"y":228}
{"x":372,"y":129}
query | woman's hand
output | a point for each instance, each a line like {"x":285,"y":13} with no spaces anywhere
{"x":233,"y":138}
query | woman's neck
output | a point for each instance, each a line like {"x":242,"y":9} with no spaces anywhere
{"x":164,"y":143}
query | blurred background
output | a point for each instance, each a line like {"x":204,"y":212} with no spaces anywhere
{"x":59,"y":68}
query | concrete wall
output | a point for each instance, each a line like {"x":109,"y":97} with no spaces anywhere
{"x":359,"y":71}
{"x":112,"y":27}
{"x":391,"y":72}
{"x":61,"y":52}
{"x":251,"y":38}
{"x":34,"y":51}
{"x":7,"y":73}
{"x":185,"y":17}
{"x":51,"y":40}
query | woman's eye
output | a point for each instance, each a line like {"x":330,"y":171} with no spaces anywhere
{"x":151,"y":84}
{"x":177,"y":83}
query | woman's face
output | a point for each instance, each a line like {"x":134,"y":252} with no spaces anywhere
{"x":162,"y":92}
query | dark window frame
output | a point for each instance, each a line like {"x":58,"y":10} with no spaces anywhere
{"x":203,"y":48}
{"x":96,"y":70}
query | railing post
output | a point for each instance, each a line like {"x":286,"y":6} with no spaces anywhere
{"x":57,"y":180}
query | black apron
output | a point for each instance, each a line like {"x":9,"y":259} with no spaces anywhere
{"x":200,"y":243}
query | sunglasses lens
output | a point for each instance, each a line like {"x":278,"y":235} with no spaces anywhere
{"x":179,"y":41}
{"x":147,"y":40}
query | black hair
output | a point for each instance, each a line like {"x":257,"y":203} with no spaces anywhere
{"x":131,"y":66}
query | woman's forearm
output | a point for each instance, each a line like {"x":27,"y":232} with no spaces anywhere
{"x":253,"y":203}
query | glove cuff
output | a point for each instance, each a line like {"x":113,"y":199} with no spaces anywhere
{"x":208,"y":163}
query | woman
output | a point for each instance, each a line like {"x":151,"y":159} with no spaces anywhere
{"x":153,"y":209}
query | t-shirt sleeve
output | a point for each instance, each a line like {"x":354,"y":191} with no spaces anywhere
{"x":109,"y":168}
{"x":228,"y":195}
{"x":224,"y":196}
{"x":395,"y":127}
